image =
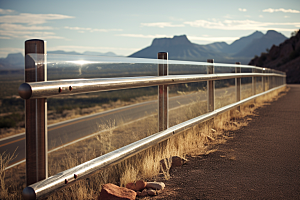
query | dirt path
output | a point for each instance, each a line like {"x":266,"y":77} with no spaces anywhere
{"x":262,"y":161}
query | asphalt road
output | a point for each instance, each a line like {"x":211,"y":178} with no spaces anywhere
{"x":74,"y":129}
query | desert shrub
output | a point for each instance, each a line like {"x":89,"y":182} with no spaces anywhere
{"x":11,"y":121}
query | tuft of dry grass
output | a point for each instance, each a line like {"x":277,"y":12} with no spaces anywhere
{"x":146,"y":165}
{"x":5,"y":158}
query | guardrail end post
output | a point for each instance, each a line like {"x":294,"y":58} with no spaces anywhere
{"x":163,"y":94}
{"x":36,"y":115}
{"x":210,"y":88}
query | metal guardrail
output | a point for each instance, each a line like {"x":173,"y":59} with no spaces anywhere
{"x":37,"y":89}
{"x":61,"y":180}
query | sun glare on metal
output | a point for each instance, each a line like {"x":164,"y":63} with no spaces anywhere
{"x":82,"y":62}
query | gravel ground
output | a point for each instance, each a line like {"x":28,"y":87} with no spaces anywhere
{"x":261,"y":161}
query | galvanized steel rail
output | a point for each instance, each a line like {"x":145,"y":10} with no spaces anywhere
{"x":37,"y":89}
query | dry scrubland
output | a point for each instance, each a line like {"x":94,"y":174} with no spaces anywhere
{"x":197,"y":140}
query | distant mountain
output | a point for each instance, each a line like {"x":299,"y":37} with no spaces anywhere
{"x":284,"y":57}
{"x":64,"y":52}
{"x":241,"y":43}
{"x":261,"y":44}
{"x":12,"y":61}
{"x":180,"y":48}
{"x":219,"y":47}
{"x":91,"y":53}
{"x":242,"y":50}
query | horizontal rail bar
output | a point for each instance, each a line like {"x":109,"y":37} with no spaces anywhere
{"x":57,"y":181}
{"x":85,"y":59}
{"x":34,"y":90}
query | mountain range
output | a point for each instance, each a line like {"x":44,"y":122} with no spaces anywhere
{"x":242,"y":50}
{"x":180,"y":48}
{"x":90,"y":53}
{"x":284,"y":57}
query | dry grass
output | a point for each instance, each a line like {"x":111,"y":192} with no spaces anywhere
{"x":54,"y":117}
{"x":199,"y":139}
{"x":5,"y":158}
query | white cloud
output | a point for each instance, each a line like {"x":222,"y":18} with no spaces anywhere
{"x":144,"y":36}
{"x":82,"y":30}
{"x":271,"y":10}
{"x":20,"y":27}
{"x":241,"y":25}
{"x":12,"y":34}
{"x":82,"y":49}
{"x":6,"y":11}
{"x":27,"y":25}
{"x":28,"y":18}
{"x":242,"y":9}
{"x":261,"y":16}
{"x":286,"y":16}
{"x":4,"y":37}
{"x":162,"y":24}
{"x":9,"y":31}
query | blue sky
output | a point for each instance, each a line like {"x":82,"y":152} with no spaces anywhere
{"x":124,"y":27}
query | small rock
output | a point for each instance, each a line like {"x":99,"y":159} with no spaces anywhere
{"x":114,"y":192}
{"x":143,"y":193}
{"x":210,"y":138}
{"x":178,"y":161}
{"x":155,"y":185}
{"x":151,"y":192}
{"x":137,"y":186}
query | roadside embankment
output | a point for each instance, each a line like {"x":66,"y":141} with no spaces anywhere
{"x":261,"y":161}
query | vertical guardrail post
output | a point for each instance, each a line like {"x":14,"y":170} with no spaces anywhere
{"x":36,"y":116}
{"x":210,"y":88}
{"x":253,"y":83}
{"x":163,"y":94}
{"x":263,"y":81}
{"x":238,"y":85}
{"x":268,"y":80}
{"x":271,"y":80}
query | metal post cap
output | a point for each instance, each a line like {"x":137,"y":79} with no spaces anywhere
{"x":25,"y":91}
{"x":28,"y":193}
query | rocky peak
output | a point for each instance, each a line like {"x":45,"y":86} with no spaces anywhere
{"x":176,"y":40}
{"x":284,"y":57}
{"x":274,"y":34}
{"x":13,"y":57}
